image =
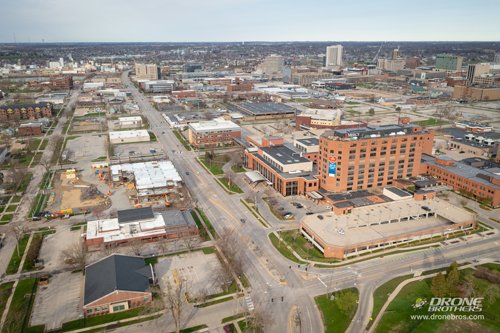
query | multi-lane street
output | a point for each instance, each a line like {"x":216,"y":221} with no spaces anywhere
{"x":264,"y":266}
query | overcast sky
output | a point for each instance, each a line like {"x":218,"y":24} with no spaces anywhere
{"x":247,"y":20}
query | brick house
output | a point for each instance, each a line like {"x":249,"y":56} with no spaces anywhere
{"x":117,"y":283}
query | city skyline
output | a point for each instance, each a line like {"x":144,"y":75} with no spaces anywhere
{"x":246,"y":20}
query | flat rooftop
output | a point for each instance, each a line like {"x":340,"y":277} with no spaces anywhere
{"x":266,"y":108}
{"x":148,"y":175}
{"x":284,"y":155}
{"x":309,"y":141}
{"x":217,"y":124}
{"x":128,"y":134}
{"x":351,"y":229}
{"x":464,"y":170}
{"x":370,"y":132}
{"x":459,"y":134}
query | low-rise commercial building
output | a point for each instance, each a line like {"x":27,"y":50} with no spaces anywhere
{"x":265,"y":111}
{"x":117,"y":283}
{"x":364,"y":229}
{"x":481,"y":142}
{"x":117,"y":137}
{"x":158,"y":86}
{"x":285,"y":169}
{"x":213,"y":133}
{"x":130,"y":122}
{"x":465,"y":93}
{"x":481,"y":184}
{"x":140,"y":224}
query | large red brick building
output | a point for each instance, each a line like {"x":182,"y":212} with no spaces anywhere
{"x":213,"y":133}
{"x":481,"y":184}
{"x":354,"y":159}
{"x":16,"y":112}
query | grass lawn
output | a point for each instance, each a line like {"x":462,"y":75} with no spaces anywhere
{"x":46,"y":181}
{"x":334,"y":319}
{"x":5,"y":291}
{"x":382,"y":293}
{"x":238,"y":168}
{"x":6,"y":218}
{"x":397,"y":317}
{"x":431,"y":122}
{"x":10,"y":208}
{"x":232,"y":188}
{"x":39,"y":204}
{"x":33,"y":252}
{"x":100,"y":158}
{"x":99,"y":320}
{"x":492,"y":266}
{"x":303,"y":248}
{"x":201,"y":228}
{"x":209,"y":225}
{"x":182,"y":140}
{"x":16,"y":199}
{"x":15,"y":260}
{"x":234,"y":317}
{"x":281,"y":247}
{"x":220,"y":300}
{"x":20,"y":308}
{"x":152,"y":137}
{"x":193,"y":329}
{"x":215,"y":167}
{"x":246,"y":326}
{"x":23,"y":185}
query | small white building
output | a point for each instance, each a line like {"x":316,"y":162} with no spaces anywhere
{"x":129,"y":136}
{"x":130,"y":122}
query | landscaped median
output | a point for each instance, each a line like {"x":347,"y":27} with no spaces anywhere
{"x":283,"y":248}
{"x":182,"y":140}
{"x":255,"y":213}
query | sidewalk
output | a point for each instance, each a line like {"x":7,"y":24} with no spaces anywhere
{"x":396,"y":291}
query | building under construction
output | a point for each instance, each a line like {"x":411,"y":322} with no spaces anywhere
{"x":152,"y":181}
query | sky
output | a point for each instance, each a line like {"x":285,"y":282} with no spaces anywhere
{"x":248,"y":20}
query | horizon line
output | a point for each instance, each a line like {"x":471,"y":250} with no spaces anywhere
{"x":252,"y":41}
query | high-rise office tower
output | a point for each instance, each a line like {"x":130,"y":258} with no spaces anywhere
{"x":334,"y":55}
{"x":147,"y":71}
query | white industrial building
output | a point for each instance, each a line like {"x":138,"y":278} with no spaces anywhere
{"x":150,"y":178}
{"x":130,"y":122}
{"x":89,"y":86}
{"x":129,"y":136}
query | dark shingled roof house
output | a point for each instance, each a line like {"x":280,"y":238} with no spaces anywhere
{"x":116,"y":283}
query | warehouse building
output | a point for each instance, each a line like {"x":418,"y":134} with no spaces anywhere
{"x":130,"y":122}
{"x":265,"y":111}
{"x":129,"y":136}
{"x":140,"y":224}
{"x":367,"y":228}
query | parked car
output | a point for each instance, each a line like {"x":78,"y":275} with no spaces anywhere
{"x":243,"y":220}
{"x":320,"y":217}
{"x":309,"y":213}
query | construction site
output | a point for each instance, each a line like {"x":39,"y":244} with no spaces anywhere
{"x":151,"y":183}
{"x":71,"y":193}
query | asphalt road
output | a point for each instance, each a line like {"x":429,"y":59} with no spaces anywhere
{"x":264,"y":266}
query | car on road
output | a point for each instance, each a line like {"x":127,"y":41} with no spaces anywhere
{"x":187,"y":173}
{"x":243,"y":220}
{"x":287,"y":215}
{"x":320,"y":217}
{"x":309,"y":213}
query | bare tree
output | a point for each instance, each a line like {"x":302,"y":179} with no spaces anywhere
{"x":137,"y":246}
{"x":189,"y":242}
{"x":174,"y":300}
{"x":19,"y":231}
{"x":222,"y":277}
{"x":76,"y":254}
{"x":229,"y":245}
{"x":161,"y":247}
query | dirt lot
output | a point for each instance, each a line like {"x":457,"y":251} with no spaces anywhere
{"x":87,"y":147}
{"x":87,"y":125}
{"x":196,"y":268}
{"x":68,"y":194}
